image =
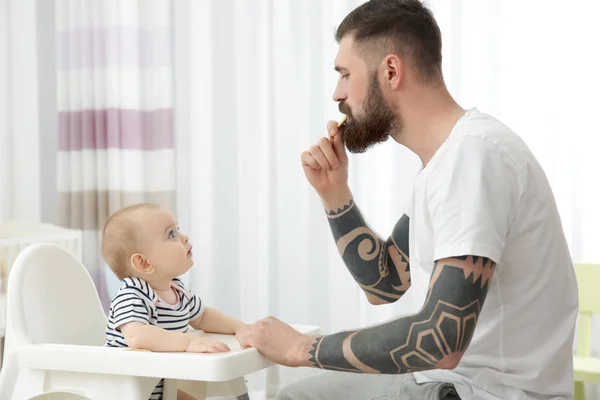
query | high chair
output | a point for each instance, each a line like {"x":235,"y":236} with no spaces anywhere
{"x":56,"y":331}
{"x":586,"y":367}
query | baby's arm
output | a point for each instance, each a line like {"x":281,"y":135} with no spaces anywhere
{"x":214,"y":321}
{"x":143,"y":336}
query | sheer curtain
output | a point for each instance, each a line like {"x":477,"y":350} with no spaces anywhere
{"x":253,"y":85}
{"x":115,"y":117}
{"x":20,"y":142}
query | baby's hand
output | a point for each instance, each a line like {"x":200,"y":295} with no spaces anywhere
{"x":199,"y":345}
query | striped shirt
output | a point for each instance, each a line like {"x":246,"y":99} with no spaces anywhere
{"x":136,"y":301}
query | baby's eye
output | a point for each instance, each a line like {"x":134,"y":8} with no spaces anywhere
{"x":172,"y":234}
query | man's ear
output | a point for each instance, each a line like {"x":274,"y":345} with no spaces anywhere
{"x":393,"y":67}
{"x":141,"y":264}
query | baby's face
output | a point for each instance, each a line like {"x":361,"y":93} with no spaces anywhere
{"x":167,"y":249}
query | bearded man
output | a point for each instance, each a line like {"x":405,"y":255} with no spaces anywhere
{"x":481,"y":249}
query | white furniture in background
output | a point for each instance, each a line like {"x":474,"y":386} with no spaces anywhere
{"x":56,"y":331}
{"x":15,"y":236}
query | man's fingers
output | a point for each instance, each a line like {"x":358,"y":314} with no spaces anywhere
{"x":340,"y":148}
{"x":317,"y":153}
{"x":243,"y":338}
{"x":327,"y":148}
{"x":308,"y":160}
{"x":336,"y":134}
{"x":332,"y":128}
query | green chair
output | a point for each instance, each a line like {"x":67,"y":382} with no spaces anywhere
{"x":586,"y":367}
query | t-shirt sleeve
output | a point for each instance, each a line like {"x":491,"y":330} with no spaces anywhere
{"x":473,"y":195}
{"x":130,"y":306}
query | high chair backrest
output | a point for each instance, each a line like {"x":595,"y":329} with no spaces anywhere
{"x":52,"y":299}
{"x":588,"y":280}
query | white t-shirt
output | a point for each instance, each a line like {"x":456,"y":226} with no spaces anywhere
{"x":484,"y":194}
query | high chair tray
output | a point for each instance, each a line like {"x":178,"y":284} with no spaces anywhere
{"x":123,"y":361}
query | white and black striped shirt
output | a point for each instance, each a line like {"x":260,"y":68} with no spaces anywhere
{"x":137,"y":301}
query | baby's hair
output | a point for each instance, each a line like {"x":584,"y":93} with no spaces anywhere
{"x":120,"y":238}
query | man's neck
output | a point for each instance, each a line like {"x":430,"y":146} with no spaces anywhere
{"x":429,"y":115}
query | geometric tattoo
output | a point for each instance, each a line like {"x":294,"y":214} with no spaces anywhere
{"x":381,"y":268}
{"x":434,"y":338}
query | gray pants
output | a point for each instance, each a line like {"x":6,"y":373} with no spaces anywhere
{"x":350,"y":386}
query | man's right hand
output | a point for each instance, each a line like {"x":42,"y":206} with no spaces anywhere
{"x":325,"y":164}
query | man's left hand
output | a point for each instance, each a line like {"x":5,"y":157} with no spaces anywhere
{"x":278,"y":342}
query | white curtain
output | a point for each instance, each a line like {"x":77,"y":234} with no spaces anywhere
{"x":19,"y":115}
{"x":253,"y":86}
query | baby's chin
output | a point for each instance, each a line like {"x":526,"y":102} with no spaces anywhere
{"x":185,"y":268}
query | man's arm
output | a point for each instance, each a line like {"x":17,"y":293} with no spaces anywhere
{"x":381,"y":268}
{"x":435,"y":338}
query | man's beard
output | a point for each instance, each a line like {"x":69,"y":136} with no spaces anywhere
{"x":376,"y":124}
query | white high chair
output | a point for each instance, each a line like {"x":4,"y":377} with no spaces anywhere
{"x":56,"y":331}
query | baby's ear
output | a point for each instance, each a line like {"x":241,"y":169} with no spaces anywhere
{"x":141,"y":264}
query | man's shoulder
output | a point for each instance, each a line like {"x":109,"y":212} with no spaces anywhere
{"x":486,"y":133}
{"x":483,"y":142}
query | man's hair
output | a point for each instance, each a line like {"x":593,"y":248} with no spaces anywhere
{"x":120,"y":238}
{"x":403,"y":27}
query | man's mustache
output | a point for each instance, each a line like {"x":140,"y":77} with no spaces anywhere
{"x":344,"y":109}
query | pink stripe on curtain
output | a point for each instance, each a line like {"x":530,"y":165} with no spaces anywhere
{"x":115,"y":128}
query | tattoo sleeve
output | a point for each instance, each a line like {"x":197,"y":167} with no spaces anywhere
{"x":435,"y":338}
{"x":380,"y":267}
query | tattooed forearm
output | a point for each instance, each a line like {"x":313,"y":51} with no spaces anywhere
{"x":380,"y":267}
{"x":435,"y":338}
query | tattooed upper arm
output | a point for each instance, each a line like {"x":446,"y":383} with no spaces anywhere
{"x":457,"y":291}
{"x":434,"y":338}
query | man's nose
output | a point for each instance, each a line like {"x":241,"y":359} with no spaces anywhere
{"x":339,"y":94}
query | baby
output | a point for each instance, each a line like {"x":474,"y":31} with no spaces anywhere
{"x":153,"y":309}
